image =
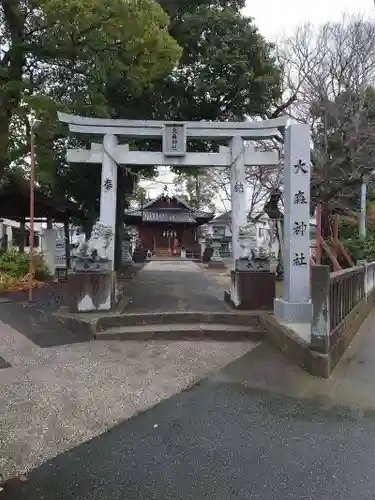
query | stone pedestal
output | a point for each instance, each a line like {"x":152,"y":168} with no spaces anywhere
{"x":92,"y":291}
{"x":252,"y":291}
{"x":139,"y":255}
{"x":216,"y":264}
{"x":89,"y":265}
{"x":207,"y":254}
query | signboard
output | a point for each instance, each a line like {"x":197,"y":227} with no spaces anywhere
{"x":174,"y":139}
{"x":60,"y":256}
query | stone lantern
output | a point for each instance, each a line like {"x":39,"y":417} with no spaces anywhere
{"x":126,"y":258}
{"x":216,"y":259}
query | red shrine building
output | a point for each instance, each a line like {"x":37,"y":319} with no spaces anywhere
{"x":168,"y":226}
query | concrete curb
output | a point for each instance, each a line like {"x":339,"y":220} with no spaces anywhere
{"x":183,"y":332}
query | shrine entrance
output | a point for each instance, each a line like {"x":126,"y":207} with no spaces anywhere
{"x":168,"y":226}
{"x":295,"y":305}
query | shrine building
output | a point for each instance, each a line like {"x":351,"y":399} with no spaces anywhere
{"x":167,"y":226}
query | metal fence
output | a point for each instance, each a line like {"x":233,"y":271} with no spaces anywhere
{"x":346,"y":289}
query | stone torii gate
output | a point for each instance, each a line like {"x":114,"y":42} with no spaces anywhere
{"x":295,"y":306}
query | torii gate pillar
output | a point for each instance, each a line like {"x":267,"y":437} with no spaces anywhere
{"x":108,"y":192}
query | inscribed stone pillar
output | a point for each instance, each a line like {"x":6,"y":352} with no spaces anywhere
{"x":49,"y":249}
{"x":295,"y":306}
{"x":108,"y":192}
{"x":238,"y":195}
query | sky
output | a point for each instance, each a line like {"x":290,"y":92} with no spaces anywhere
{"x":275,"y":20}
{"x":273,"y":17}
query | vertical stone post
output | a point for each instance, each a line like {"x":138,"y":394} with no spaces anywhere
{"x":366,"y":285}
{"x":320,"y":325}
{"x":108,"y":192}
{"x":295,"y":306}
{"x":49,"y":249}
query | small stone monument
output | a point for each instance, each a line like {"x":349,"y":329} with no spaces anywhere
{"x":93,"y":283}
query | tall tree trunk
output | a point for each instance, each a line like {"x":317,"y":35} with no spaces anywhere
{"x":326,"y":222}
{"x":87,"y":228}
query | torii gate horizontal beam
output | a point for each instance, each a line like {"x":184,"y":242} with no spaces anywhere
{"x":149,"y":129}
{"x":123,"y":156}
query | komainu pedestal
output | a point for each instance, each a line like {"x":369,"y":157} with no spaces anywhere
{"x":253,"y":286}
{"x":253,"y":290}
{"x":92,"y":291}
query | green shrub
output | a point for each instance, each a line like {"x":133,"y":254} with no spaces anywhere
{"x":16,"y":264}
{"x":361,"y":249}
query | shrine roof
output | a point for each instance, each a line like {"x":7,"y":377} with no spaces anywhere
{"x":175,"y":210}
{"x":169,"y":215}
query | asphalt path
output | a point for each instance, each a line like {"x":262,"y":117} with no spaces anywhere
{"x":218,"y":441}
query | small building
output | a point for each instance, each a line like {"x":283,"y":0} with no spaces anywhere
{"x":167,"y":225}
{"x":220,"y":229}
{"x":11,"y":235}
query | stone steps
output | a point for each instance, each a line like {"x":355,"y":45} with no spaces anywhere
{"x":181,"y":332}
{"x":162,"y":252}
{"x":240,"y":319}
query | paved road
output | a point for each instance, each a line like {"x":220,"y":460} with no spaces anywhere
{"x":36,"y":321}
{"x":218,"y":441}
{"x":170,"y":286}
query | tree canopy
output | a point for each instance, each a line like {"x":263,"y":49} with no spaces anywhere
{"x":226,"y":71}
{"x":329,"y":80}
{"x":57,"y":53}
{"x":198,"y":60}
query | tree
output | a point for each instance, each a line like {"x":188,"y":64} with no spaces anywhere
{"x":69,"y":50}
{"x":260,"y":182}
{"x":60,"y":51}
{"x":329,"y":73}
{"x":220,"y":77}
{"x":196,"y":188}
{"x":226,"y":72}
